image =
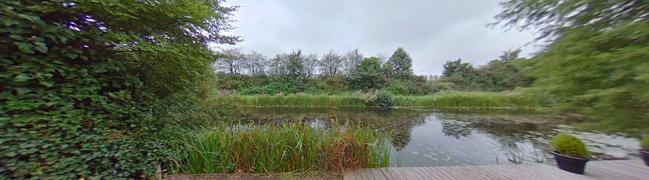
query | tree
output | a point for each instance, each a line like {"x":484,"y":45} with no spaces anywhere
{"x":276,"y":64}
{"x":502,"y":74}
{"x":463,"y":75}
{"x":401,"y":63}
{"x":351,"y":60}
{"x":231,"y":60}
{"x":310,"y":65}
{"x":368,"y":75}
{"x":330,"y":64}
{"x":553,"y":19}
{"x":99,"y":89}
{"x":596,"y":61}
{"x":293,"y":70}
{"x":255,"y":63}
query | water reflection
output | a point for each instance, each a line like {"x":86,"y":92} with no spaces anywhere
{"x":455,"y":137}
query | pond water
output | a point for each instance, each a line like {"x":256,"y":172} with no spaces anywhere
{"x":425,"y":137}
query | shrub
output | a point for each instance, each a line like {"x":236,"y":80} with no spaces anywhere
{"x":384,"y":99}
{"x":569,"y":145}
{"x":368,"y":98}
{"x":89,"y":90}
{"x":645,"y":142}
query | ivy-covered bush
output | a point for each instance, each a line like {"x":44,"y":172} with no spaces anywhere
{"x":569,"y":145}
{"x":100,"y":89}
{"x":645,"y":142}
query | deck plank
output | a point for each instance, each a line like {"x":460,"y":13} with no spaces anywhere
{"x":378,"y":175}
{"x":614,"y":169}
{"x":386,"y":173}
{"x":397,"y":174}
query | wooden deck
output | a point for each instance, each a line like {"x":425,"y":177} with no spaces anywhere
{"x":614,"y":169}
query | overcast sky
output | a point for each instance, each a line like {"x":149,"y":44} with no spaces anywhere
{"x":431,"y":31}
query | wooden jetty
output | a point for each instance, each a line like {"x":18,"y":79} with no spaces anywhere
{"x":612,"y":169}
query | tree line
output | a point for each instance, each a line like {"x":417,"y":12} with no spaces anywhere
{"x":254,"y":73}
{"x":296,"y":71}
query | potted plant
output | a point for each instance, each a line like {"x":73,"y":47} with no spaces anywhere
{"x":644,"y":151}
{"x":570,"y":153}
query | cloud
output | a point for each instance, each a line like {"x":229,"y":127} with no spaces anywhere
{"x":433,"y":32}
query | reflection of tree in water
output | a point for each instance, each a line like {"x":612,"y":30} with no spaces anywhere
{"x":456,"y":129}
{"x":397,"y":122}
{"x":510,"y":135}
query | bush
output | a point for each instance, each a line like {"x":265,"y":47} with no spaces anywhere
{"x":384,"y":99}
{"x":272,"y":88}
{"x":569,"y":145}
{"x":89,"y":90}
{"x":645,"y":142}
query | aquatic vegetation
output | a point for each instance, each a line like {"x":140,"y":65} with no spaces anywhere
{"x":290,"y":147}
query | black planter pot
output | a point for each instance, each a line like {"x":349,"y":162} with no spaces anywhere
{"x":569,"y":163}
{"x":645,"y":156}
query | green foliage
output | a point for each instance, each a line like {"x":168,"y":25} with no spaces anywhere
{"x":368,"y":75}
{"x":272,"y":88}
{"x":301,"y":100}
{"x":645,"y":142}
{"x":409,"y":86}
{"x":596,"y":63}
{"x":289,"y":147}
{"x":471,"y":100}
{"x":371,"y":98}
{"x":384,"y":99}
{"x":98,"y":89}
{"x":239,"y":82}
{"x":498,"y":75}
{"x":401,"y":64}
{"x":569,"y":145}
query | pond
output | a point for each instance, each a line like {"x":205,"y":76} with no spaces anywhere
{"x":433,"y":137}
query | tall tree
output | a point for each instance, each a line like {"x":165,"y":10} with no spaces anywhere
{"x":331,"y":64}
{"x":255,"y":63}
{"x":231,"y":60}
{"x":554,"y":18}
{"x":368,"y":75}
{"x":401,"y":63}
{"x":293,"y":69}
{"x":596,"y":61}
{"x":310,"y":65}
{"x":462,"y":74}
{"x":351,"y":60}
{"x":276,"y":64}
{"x":502,"y":74}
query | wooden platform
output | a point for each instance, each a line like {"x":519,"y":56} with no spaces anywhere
{"x":614,"y":170}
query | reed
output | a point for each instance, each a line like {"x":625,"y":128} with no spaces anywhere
{"x":301,"y":100}
{"x":290,"y":147}
{"x":470,"y":100}
{"x":443,"y":100}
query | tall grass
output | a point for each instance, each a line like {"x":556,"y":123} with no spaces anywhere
{"x":444,"y":100}
{"x":470,"y":100}
{"x":289,"y":147}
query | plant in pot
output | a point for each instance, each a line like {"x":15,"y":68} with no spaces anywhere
{"x":570,"y":153}
{"x":644,"y":151}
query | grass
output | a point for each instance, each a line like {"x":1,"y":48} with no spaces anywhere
{"x":290,"y":147}
{"x":442,"y":100}
{"x":470,"y":100}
